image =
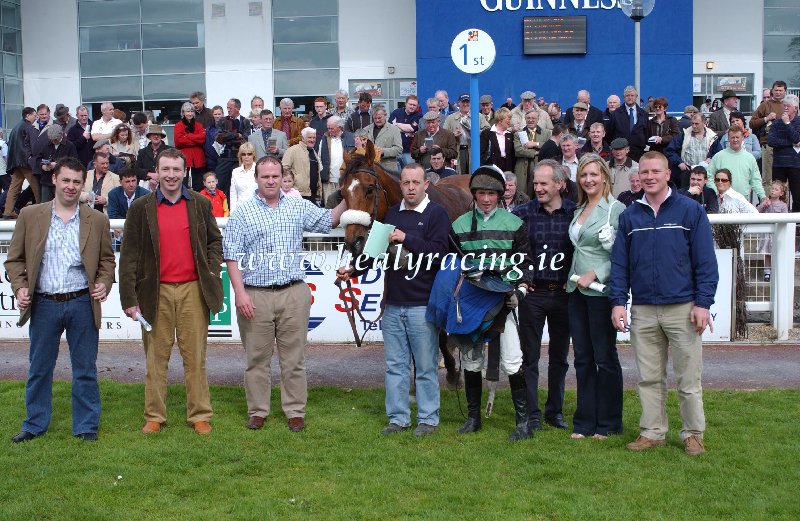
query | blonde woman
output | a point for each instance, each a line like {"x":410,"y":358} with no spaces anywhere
{"x":243,"y":180}
{"x":594,"y":339}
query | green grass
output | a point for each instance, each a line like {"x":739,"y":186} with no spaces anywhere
{"x":341,"y":468}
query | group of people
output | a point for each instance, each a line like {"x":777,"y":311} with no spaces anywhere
{"x":589,"y":210}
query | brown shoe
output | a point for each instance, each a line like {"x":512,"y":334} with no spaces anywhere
{"x":643,"y":443}
{"x":151,"y":427}
{"x":256,"y":422}
{"x":202,"y":428}
{"x":693,"y":445}
{"x":296,"y":424}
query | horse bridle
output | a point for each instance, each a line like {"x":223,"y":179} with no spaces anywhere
{"x":353,"y":303}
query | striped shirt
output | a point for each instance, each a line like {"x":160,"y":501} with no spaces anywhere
{"x":267,"y":242}
{"x":62,"y":268}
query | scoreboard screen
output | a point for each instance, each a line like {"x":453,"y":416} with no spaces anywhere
{"x":554,"y":35}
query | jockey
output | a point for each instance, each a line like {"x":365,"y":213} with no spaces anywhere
{"x":499,"y":242}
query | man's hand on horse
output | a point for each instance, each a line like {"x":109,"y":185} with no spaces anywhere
{"x":343,"y":273}
{"x":397,"y":236}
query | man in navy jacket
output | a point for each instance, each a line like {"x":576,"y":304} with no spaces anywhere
{"x":664,"y":254}
{"x":121,"y":197}
{"x":629,"y":120}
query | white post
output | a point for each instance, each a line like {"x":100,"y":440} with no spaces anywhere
{"x":783,"y":279}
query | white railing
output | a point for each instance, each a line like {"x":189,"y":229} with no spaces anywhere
{"x":781,"y":302}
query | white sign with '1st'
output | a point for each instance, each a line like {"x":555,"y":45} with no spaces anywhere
{"x":473,"y":51}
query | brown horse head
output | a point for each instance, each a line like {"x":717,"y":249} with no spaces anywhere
{"x":369,"y":191}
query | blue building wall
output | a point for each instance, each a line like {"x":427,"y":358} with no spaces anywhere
{"x":607,"y":67}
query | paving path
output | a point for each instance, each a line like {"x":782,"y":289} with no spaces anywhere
{"x":735,"y":366}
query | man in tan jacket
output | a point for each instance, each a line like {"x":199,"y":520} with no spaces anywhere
{"x":769,"y":110}
{"x":61,"y":267}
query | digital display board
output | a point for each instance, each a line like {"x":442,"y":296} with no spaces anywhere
{"x":554,"y":35}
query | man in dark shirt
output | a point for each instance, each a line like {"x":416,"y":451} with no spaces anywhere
{"x":699,"y":190}
{"x":422,"y":230}
{"x":551,"y":148}
{"x":548,"y":217}
{"x":361,"y":117}
{"x":407,"y":120}
{"x":438,"y":166}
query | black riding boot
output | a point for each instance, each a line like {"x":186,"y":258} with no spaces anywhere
{"x":473,"y":386}
{"x":519,"y":396}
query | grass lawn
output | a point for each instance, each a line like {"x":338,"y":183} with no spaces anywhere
{"x":341,"y":468}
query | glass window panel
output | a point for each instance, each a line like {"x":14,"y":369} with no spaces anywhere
{"x":782,"y":21}
{"x":9,"y":64}
{"x":19,"y":67}
{"x":173,"y":61}
{"x":788,"y":72}
{"x":305,"y":83}
{"x":116,"y":38}
{"x":174,"y":86}
{"x":111,"y":89}
{"x":104,"y":13}
{"x":311,"y":29}
{"x":166,"y":113}
{"x":156,"y":11}
{"x":12,"y":115}
{"x":306,"y":7}
{"x":156,"y":36}
{"x":781,"y":48}
{"x":11,"y":41}
{"x":780,"y":3}
{"x":308,"y":56}
{"x":9,"y":15}
{"x":12,"y":91}
{"x":118,"y":63}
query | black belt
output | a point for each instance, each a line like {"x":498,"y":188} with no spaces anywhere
{"x":463,"y":147}
{"x":64,"y":297}
{"x":276,"y":287}
{"x":548,"y":286}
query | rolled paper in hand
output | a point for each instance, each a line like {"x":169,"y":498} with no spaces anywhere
{"x":600,"y":288}
{"x":145,"y":324}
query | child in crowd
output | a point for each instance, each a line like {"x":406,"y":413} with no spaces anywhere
{"x":775,"y":203}
{"x":287,"y":185}
{"x":219,"y":203}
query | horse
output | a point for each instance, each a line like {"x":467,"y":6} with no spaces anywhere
{"x":370,"y":190}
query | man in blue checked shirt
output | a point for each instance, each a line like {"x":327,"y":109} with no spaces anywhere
{"x":262,"y":247}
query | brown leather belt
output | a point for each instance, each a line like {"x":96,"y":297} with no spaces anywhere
{"x":64,"y":297}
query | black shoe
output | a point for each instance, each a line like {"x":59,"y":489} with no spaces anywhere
{"x":473,"y":388}
{"x":471,"y":425}
{"x":87,"y":436}
{"x":24,"y":436}
{"x":535,"y":424}
{"x":519,"y":397}
{"x":557,"y":421}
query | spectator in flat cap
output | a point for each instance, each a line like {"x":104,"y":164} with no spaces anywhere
{"x":460,"y":124}
{"x":487,"y":108}
{"x":115,"y":164}
{"x":686,"y":120}
{"x":431,"y":135}
{"x":621,"y":166}
{"x":528,"y":102}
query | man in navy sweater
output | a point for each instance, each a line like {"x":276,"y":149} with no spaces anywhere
{"x":421,"y":233}
{"x":664,"y":254}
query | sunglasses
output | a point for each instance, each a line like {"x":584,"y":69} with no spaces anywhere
{"x":721,"y":180}
{"x":247,"y":153}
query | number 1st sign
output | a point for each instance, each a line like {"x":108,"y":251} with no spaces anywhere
{"x":473,"y":51}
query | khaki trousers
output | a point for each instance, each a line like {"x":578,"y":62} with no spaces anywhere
{"x":653,"y":330}
{"x":18,"y":176}
{"x":281,"y":319}
{"x":766,"y":164}
{"x":181,"y":310}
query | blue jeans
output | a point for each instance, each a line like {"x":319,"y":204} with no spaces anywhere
{"x":49,"y":319}
{"x":597,"y":368}
{"x":404,"y":159}
{"x":406,"y":333}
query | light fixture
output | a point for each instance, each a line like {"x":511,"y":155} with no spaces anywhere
{"x":709,"y":65}
{"x":390,"y":70}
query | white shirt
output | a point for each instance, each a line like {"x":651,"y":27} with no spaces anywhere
{"x":573,"y":168}
{"x":501,"y":140}
{"x":104,"y":127}
{"x":243,"y":186}
{"x":419,"y":208}
{"x":734,"y":202}
{"x":337,"y":158}
{"x":61,"y":270}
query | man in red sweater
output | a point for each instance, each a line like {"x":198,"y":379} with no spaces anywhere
{"x":169,"y":275}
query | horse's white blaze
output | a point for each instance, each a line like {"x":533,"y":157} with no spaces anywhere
{"x":353,"y":185}
{"x":355,"y":217}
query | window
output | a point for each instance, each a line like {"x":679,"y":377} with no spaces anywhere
{"x":140,"y":52}
{"x":305,"y":47}
{"x":10,"y":63}
{"x":781,"y":42}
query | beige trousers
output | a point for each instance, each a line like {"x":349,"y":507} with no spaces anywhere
{"x":18,"y":176}
{"x":182,"y":311}
{"x":766,"y":164}
{"x":281,"y":319}
{"x":654,"y":329}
